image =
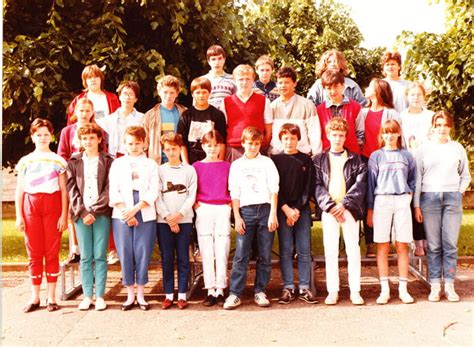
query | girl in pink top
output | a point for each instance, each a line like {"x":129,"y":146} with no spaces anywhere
{"x":213,"y":217}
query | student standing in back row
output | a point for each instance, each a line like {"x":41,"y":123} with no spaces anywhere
{"x":293,"y":108}
{"x":222,"y":82}
{"x":198,"y":120}
{"x":264,"y":67}
{"x":246,"y":109}
{"x":163,"y":117}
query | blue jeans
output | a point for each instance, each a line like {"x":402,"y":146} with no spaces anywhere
{"x":134,"y":247}
{"x":442,"y":214}
{"x":256,"y":223}
{"x":300,"y":235}
{"x":170,"y":243}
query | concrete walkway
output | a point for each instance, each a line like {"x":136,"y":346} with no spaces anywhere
{"x":422,"y":323}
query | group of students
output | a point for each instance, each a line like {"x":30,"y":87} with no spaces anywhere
{"x":254,"y":150}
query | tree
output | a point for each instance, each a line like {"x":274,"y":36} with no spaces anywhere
{"x":133,"y":40}
{"x":445,"y":62}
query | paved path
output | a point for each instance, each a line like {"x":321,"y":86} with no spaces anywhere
{"x":422,"y":323}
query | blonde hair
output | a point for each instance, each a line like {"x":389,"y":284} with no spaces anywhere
{"x":169,"y":81}
{"x":324,"y":61}
{"x":264,"y":59}
{"x":92,"y":71}
{"x":80,"y":102}
{"x":243,"y":69}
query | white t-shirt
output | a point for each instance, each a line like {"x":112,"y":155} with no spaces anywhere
{"x":101,"y":107}
{"x":416,"y":128}
{"x":40,"y":171}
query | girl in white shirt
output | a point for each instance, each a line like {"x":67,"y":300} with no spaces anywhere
{"x":133,"y":190}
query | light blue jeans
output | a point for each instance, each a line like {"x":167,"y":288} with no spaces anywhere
{"x":442,"y":215}
{"x":300,"y":236}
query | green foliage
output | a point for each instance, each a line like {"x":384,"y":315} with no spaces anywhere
{"x":445,"y":62}
{"x":142,"y":40}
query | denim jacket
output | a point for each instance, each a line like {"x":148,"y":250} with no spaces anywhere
{"x":75,"y":187}
{"x":355,"y":174}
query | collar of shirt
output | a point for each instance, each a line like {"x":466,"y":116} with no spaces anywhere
{"x":256,"y":157}
{"x":266,"y":87}
{"x":329,"y":103}
{"x":244,"y":99}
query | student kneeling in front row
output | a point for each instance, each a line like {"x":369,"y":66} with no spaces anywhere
{"x":341,"y":187}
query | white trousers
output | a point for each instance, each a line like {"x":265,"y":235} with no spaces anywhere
{"x":350,"y":232}
{"x":213,"y":230}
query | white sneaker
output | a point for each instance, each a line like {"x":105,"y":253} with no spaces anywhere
{"x":100,"y":304}
{"x":85,"y":304}
{"x":261,"y":299}
{"x":435,"y":294}
{"x":383,"y":298}
{"x":356,"y":299}
{"x":232,"y":302}
{"x":405,"y":297}
{"x":113,"y":258}
{"x":332,"y":298}
{"x":450,"y":293}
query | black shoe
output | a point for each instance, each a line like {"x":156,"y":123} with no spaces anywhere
{"x":210,"y":301}
{"x":308,"y":297}
{"x":52,"y":306}
{"x":144,"y":307}
{"x":31,"y":307}
{"x":127,"y":307}
{"x":287,"y":296}
{"x":220,"y":300}
{"x":73,"y":258}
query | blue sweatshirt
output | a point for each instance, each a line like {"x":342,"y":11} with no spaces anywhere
{"x":390,"y":172}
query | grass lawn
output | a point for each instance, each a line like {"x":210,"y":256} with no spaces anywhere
{"x":13,"y":248}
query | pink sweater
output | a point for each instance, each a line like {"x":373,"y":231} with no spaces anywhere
{"x":213,"y":182}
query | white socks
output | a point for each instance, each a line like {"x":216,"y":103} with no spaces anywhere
{"x":181,"y":296}
{"x":212,"y":292}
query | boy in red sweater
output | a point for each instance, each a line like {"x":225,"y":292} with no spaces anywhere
{"x":243,"y":109}
{"x":339,"y":105}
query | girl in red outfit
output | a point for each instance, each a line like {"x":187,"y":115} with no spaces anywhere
{"x":41,"y":211}
{"x":380,"y":109}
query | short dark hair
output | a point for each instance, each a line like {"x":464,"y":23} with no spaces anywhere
{"x":212,"y":135}
{"x":286,"y":71}
{"x":332,"y":77}
{"x":215,"y":50}
{"x":201,"y":83}
{"x":129,"y":84}
{"x":392,"y":56}
{"x":40,"y":123}
{"x":289,"y":128}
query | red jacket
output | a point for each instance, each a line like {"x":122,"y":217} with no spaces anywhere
{"x":351,"y":112}
{"x":112,"y":101}
{"x":66,"y":148}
